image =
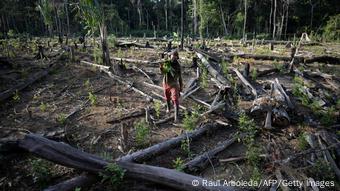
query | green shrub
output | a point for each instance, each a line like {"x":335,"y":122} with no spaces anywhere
{"x":302,"y":142}
{"x":331,"y":31}
{"x":185,"y":146}
{"x":92,"y":98}
{"x":16,"y":96}
{"x":114,"y":174}
{"x":142,"y":133}
{"x":190,"y":120}
{"x":178,"y":164}
{"x":157,"y":106}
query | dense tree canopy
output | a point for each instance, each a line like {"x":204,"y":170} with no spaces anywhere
{"x":210,"y":18}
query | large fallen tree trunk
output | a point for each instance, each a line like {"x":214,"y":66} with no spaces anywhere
{"x":245,"y":82}
{"x":300,"y":59}
{"x":66,"y":155}
{"x":136,"y":61}
{"x":106,"y":69}
{"x":10,"y":92}
{"x":159,"y":148}
{"x":215,"y":74}
{"x":73,"y":183}
{"x":201,"y":161}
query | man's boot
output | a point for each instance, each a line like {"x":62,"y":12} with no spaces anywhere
{"x":176,"y":113}
{"x":168,"y":105}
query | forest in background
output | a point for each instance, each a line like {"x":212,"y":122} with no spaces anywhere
{"x":269,"y":19}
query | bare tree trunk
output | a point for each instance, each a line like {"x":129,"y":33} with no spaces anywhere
{"x":270,"y":16}
{"x":67,"y":21}
{"x":195,"y":16}
{"x":182,"y":24}
{"x":245,"y":19}
{"x":223,"y":20}
{"x":287,"y":16}
{"x":166,"y":14}
{"x":274,"y":19}
{"x":139,"y":10}
{"x":312,"y":13}
{"x":105,"y":49}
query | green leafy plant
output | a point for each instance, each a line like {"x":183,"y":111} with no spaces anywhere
{"x":77,"y":189}
{"x":190,"y":120}
{"x":248,"y":127}
{"x":322,"y":170}
{"x":224,"y":66}
{"x":278,"y":66}
{"x":142,"y":133}
{"x":40,"y":171}
{"x":302,"y":142}
{"x":43,"y":106}
{"x":157,"y":106}
{"x":61,"y":119}
{"x":327,"y":117}
{"x":114,"y":174}
{"x":204,"y":77}
{"x":16,"y":96}
{"x":253,"y":74}
{"x":185,"y":146}
{"x":178,"y":164}
{"x":87,"y":85}
{"x":92,"y":98}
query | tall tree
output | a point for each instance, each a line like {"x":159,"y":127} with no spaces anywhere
{"x":245,"y":20}
{"x":182,"y":24}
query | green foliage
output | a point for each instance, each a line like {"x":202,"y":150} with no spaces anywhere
{"x":253,"y":74}
{"x":91,"y":15}
{"x":46,"y":10}
{"x":16,"y":96}
{"x":157,"y":106}
{"x":40,"y":171}
{"x":298,"y":86}
{"x":178,"y":164}
{"x":302,"y":142}
{"x":278,"y":66}
{"x":331,"y":30}
{"x":185,"y":147}
{"x":224,"y":66}
{"x":43,"y":106}
{"x":97,"y":55}
{"x":61,"y":119}
{"x":87,"y":85}
{"x":11,"y":33}
{"x":77,"y":189}
{"x":204,"y":77}
{"x":321,"y":170}
{"x":142,"y":133}
{"x":327,"y":117}
{"x":190,"y":120}
{"x":248,"y":127}
{"x":92,"y":98}
{"x":114,"y":174}
{"x":256,"y":174}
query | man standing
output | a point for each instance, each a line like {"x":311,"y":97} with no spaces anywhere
{"x":172,"y":82}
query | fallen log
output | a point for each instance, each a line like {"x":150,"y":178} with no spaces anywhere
{"x":144,"y":73}
{"x":245,"y":82}
{"x":66,"y":155}
{"x":201,"y":161}
{"x":129,"y":115}
{"x":106,"y":69}
{"x":73,"y":183}
{"x":282,"y":91}
{"x":136,"y":61}
{"x":155,"y":150}
{"x":214,"y":73}
{"x":10,"y":92}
